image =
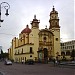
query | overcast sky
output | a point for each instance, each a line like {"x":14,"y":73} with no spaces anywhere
{"x":21,"y":12}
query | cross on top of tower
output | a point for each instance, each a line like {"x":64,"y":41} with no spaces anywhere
{"x":34,"y":16}
{"x":53,"y":8}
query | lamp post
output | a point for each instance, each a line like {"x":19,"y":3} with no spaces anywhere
{"x":6,"y":6}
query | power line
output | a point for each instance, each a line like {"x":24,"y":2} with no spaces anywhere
{"x":8,"y":34}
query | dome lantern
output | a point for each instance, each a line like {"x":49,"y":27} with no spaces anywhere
{"x":53,"y":11}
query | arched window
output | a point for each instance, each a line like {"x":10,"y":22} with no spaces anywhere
{"x":63,"y":53}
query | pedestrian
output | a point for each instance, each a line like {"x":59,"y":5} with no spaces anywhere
{"x":54,"y":62}
{"x":58,"y":62}
{"x":22,"y":61}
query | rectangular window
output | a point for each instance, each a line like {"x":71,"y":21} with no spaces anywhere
{"x":30,"y":49}
{"x":22,"y":50}
{"x":18,"y":51}
{"x":15,"y":51}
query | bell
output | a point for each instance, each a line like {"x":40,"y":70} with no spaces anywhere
{"x":6,"y":12}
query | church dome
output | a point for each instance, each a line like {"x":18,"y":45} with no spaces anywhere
{"x":26,"y":30}
{"x":53,"y":11}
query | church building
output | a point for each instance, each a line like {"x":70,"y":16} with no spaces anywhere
{"x":35,"y":43}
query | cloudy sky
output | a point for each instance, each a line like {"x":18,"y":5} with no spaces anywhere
{"x":21,"y":12}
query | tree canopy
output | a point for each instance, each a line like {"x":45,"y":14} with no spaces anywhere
{"x":73,"y":54}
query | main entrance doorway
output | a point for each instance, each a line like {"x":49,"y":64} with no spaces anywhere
{"x":45,"y":55}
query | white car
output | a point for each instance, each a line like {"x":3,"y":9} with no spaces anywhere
{"x":8,"y":62}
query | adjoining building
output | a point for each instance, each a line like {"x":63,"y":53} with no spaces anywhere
{"x":66,"y":48}
{"x":35,"y":43}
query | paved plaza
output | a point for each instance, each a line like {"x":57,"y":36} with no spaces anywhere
{"x":36,"y":69}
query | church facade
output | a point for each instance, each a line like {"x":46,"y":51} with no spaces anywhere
{"x":35,"y":43}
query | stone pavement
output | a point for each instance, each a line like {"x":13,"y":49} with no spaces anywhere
{"x":36,"y":69}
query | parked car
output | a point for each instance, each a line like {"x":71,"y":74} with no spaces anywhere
{"x":8,"y":62}
{"x":29,"y":61}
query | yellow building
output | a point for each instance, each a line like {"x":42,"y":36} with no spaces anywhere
{"x":35,"y":43}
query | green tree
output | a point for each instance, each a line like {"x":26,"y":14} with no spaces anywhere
{"x":1,"y":55}
{"x":1,"y":51}
{"x":5,"y":55}
{"x":73,"y":54}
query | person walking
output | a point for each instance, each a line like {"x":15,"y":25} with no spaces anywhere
{"x":55,"y":62}
{"x":22,"y":61}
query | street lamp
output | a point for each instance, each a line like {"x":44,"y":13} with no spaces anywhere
{"x":6,"y":6}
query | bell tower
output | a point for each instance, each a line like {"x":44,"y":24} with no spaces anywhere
{"x":54,"y":19}
{"x":34,"y":35}
{"x":35,"y":22}
{"x":55,"y":29}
